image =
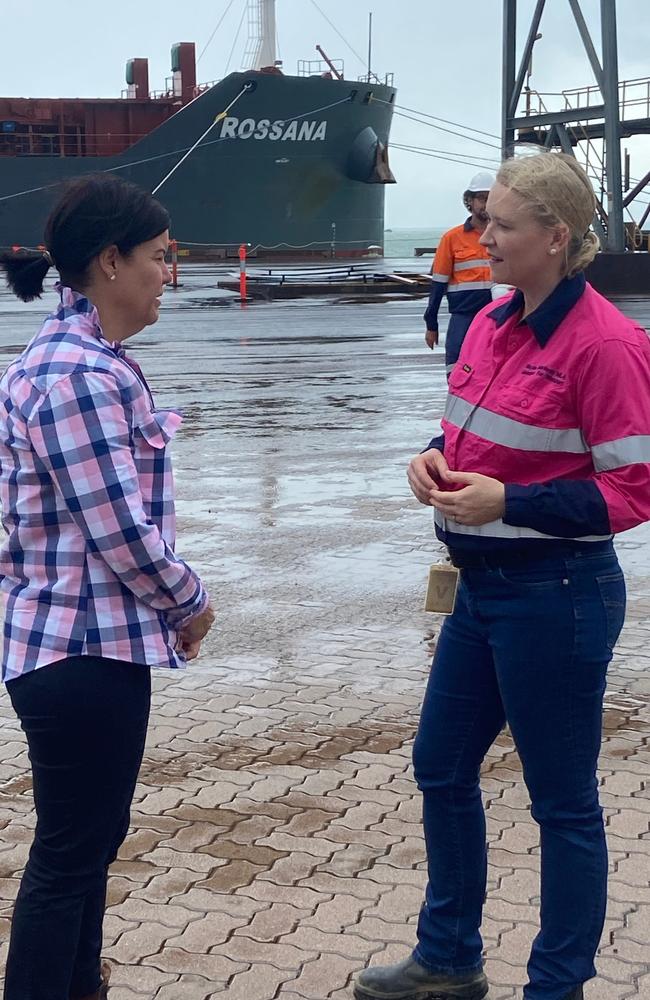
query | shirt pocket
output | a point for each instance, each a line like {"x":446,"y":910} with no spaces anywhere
{"x":540,"y":409}
{"x":467,"y":261}
{"x":459,"y":378}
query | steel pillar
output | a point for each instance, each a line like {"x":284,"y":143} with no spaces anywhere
{"x":609,"y":88}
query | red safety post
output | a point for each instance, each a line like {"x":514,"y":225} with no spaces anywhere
{"x":242,"y":273}
{"x":173,"y":249}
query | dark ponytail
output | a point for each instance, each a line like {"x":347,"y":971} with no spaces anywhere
{"x":25,"y":271}
{"x":94,"y":212}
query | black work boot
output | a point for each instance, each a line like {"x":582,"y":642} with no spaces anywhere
{"x":408,"y":980}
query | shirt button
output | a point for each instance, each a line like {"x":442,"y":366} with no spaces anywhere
{"x":524,"y":404}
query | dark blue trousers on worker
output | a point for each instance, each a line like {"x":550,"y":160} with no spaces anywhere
{"x":459,"y":324}
{"x":85,"y":719}
{"x":527,"y":646}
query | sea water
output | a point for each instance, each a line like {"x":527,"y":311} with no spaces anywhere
{"x":402,"y":242}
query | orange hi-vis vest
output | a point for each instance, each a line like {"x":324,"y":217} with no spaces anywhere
{"x":461,"y":269}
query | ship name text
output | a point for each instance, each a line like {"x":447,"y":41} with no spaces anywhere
{"x":296,"y":131}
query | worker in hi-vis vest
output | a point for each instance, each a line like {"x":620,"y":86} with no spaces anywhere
{"x":461,"y":269}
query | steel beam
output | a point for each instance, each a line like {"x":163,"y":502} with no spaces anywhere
{"x":508,"y":76}
{"x":559,"y":117}
{"x":636,"y":190}
{"x":587,"y":42}
{"x":525,"y":59}
{"x":615,"y":227}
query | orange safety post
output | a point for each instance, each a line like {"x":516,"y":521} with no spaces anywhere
{"x":173,"y":247}
{"x":242,"y":272}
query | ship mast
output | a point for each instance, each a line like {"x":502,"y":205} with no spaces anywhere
{"x":260,"y":46}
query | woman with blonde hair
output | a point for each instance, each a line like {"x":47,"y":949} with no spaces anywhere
{"x":544,"y":456}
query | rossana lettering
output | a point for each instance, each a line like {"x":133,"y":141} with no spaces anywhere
{"x":278,"y":131}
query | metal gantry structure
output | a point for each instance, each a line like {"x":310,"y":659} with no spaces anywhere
{"x":575,"y":124}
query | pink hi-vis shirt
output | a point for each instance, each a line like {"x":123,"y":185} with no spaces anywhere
{"x":557,"y":407}
{"x":86,"y":487}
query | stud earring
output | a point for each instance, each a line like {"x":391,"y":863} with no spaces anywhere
{"x":553,"y":250}
{"x":113,"y":276}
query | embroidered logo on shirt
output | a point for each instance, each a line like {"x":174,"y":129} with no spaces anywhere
{"x":551,"y":374}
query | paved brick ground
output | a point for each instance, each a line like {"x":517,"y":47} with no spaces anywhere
{"x":276,"y":845}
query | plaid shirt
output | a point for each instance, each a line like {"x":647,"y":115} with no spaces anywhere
{"x":86,"y":487}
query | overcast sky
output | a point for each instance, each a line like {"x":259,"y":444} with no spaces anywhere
{"x":446,"y":58}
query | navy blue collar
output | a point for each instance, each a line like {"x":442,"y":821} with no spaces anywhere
{"x":545,"y":320}
{"x":467,"y":225}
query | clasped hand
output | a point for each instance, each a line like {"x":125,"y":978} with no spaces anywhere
{"x":464,"y":497}
{"x":191,"y":634}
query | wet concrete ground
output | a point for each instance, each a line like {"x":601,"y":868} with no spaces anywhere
{"x":276,"y":845}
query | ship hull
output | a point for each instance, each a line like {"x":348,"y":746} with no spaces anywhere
{"x":284,"y":171}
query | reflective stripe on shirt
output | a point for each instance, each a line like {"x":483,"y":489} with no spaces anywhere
{"x":624,"y":451}
{"x":510,"y":433}
{"x":466,"y":265}
{"x":497,"y":529}
{"x":467,"y":286}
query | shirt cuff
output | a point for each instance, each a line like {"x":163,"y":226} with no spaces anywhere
{"x":178,"y":617}
{"x":436,"y":442}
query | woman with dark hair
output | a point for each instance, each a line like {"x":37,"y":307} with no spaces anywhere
{"x":94,"y":592}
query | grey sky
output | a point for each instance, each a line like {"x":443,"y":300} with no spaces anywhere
{"x":446,"y":58}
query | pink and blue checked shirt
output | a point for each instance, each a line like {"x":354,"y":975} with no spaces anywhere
{"x":87,"y":494}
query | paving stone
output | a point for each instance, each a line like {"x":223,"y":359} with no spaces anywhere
{"x":142,"y":940}
{"x":397,"y":904}
{"x":283,"y":956}
{"x":349,"y":944}
{"x":333,"y":970}
{"x":261,"y":982}
{"x":272,"y":892}
{"x":168,"y":884}
{"x":202,"y":934}
{"x":216,"y":968}
{"x":275,"y":921}
{"x":207,"y":900}
{"x":335,"y":915}
{"x":231,"y":876}
{"x":139,"y":979}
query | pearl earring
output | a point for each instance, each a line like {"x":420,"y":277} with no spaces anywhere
{"x":113,"y":276}
{"x":552,"y":250}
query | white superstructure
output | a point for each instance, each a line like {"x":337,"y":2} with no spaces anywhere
{"x":260,"y":47}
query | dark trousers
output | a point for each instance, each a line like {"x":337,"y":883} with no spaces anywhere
{"x":85,"y":719}
{"x":459,"y":324}
{"x":529,"y":646}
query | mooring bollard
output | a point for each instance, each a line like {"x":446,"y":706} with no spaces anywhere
{"x":173,"y":248}
{"x":242,"y":273}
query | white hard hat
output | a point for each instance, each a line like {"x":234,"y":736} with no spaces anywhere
{"x":482,"y":181}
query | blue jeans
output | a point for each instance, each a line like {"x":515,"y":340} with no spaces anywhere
{"x":527,"y":646}
{"x":85,"y":719}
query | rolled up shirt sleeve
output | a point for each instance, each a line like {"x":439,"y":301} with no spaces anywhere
{"x":81,"y":435}
{"x":613,"y":401}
